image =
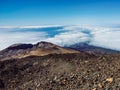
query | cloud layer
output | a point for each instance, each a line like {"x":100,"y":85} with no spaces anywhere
{"x":61,"y":35}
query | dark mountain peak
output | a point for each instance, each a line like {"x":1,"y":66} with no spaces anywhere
{"x":20,"y":46}
{"x":44,"y":44}
{"x":41,"y":44}
{"x":40,"y":49}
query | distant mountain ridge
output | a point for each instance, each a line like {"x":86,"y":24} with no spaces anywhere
{"x":85,"y":47}
{"x":40,"y":49}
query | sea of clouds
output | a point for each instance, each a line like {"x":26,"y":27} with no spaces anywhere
{"x":107,"y":37}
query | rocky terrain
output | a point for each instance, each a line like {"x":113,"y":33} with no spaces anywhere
{"x":61,"y":72}
{"x":57,"y":69}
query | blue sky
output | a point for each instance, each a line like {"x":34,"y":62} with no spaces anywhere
{"x":63,"y":22}
{"x":59,"y":12}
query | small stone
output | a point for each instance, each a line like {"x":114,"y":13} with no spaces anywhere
{"x":55,"y":78}
{"x":86,"y":61}
{"x":94,"y":89}
{"x":35,"y":63}
{"x":100,"y":85}
{"x":64,"y":81}
{"x":110,"y":80}
{"x":118,"y":78}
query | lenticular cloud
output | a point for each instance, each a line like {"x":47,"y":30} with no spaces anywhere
{"x":61,"y":35}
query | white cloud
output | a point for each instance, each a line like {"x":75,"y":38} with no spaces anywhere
{"x":98,"y":36}
{"x":108,"y":38}
{"x":47,"y":26}
{"x":10,"y":38}
{"x":69,"y":38}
